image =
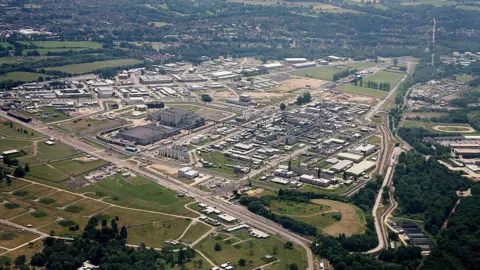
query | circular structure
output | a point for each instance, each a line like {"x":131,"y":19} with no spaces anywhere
{"x":454,"y":129}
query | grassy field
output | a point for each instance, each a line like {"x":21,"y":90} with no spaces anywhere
{"x":321,"y":73}
{"x":7,"y":45}
{"x":52,"y":152}
{"x":361,"y":65}
{"x":45,"y":51}
{"x":252,"y":251}
{"x":62,"y":170}
{"x":154,"y":235}
{"x":49,"y":114}
{"x":464,"y":78}
{"x":11,"y":238}
{"x":88,"y":67}
{"x":353,"y":89}
{"x":67,"y":44}
{"x":194,"y":232}
{"x":220,"y":160}
{"x":143,"y":194}
{"x":17,"y":131}
{"x":385,"y":76}
{"x":21,"y":76}
{"x":91,"y":125}
{"x":9,"y":144}
{"x":27,"y":250}
{"x":430,"y":126}
{"x":159,"y":24}
{"x":352,"y":222}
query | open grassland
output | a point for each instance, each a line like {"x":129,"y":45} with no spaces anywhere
{"x":89,"y":67}
{"x":155,"y":234}
{"x":361,"y":65}
{"x":11,"y":238}
{"x":318,"y":7}
{"x":61,"y":170}
{"x":252,"y":251}
{"x":7,"y":45}
{"x":352,"y":222}
{"x":159,"y":24}
{"x":358,"y":90}
{"x":321,"y":73}
{"x":11,"y":144}
{"x":17,"y":131}
{"x":52,"y":152}
{"x":143,"y":194}
{"x":385,"y":77}
{"x":45,"y":51}
{"x":32,"y":192}
{"x":27,"y":250}
{"x":91,"y":125}
{"x":194,"y":232}
{"x":21,"y":76}
{"x":431,"y":126}
{"x":49,"y":114}
{"x":65,"y":44}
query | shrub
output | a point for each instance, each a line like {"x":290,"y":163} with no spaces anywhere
{"x":20,"y":193}
{"x":39,"y":214}
{"x":11,"y":205}
{"x":66,"y":223}
{"x":74,"y":209}
{"x":47,"y":200}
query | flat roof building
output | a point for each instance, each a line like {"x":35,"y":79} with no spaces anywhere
{"x":350,"y":156}
{"x":341,"y":165}
{"x":178,"y":117}
{"x":148,"y":134}
{"x":295,"y":60}
{"x":270,"y":66}
{"x":360,"y":168}
{"x":227,"y":218}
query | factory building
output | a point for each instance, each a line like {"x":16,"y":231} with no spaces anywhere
{"x":155,"y":79}
{"x":350,"y":156}
{"x":360,"y":168}
{"x":104,"y":92}
{"x":188,"y":173}
{"x":147,"y":134}
{"x":271,"y":66}
{"x":341,"y":166}
{"x":72,"y":93}
{"x":305,"y":65}
{"x":295,"y":60}
{"x":366,"y":150}
{"x":177,"y":117}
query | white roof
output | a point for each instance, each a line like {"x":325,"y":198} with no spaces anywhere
{"x":226,"y":217}
{"x":9,"y":152}
{"x":361,"y":167}
{"x":222,"y":73}
{"x":280,"y":180}
{"x":273,"y":65}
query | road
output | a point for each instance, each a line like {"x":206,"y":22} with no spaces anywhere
{"x":203,"y":197}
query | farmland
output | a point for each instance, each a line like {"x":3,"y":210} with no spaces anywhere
{"x":89,"y":67}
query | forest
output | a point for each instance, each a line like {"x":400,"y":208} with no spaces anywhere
{"x":426,"y":188}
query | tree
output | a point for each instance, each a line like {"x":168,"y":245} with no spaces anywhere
{"x":19,"y":172}
{"x":218,"y":247}
{"x":20,"y":260}
{"x":295,"y":267}
{"x":9,"y":179}
{"x":206,"y":98}
{"x":283,"y":106}
{"x":38,"y":259}
{"x":27,"y":168}
{"x":242,"y":262}
{"x":288,"y":245}
{"x":395,"y":62}
{"x":123,"y":233}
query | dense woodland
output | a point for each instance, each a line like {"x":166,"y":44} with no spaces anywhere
{"x":427,"y":188}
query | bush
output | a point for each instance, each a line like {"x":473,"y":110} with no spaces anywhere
{"x":47,"y":200}
{"x":39,"y":214}
{"x":74,"y":209}
{"x":218,"y":247}
{"x":66,"y":223}
{"x":11,"y":205}
{"x":20,"y":193}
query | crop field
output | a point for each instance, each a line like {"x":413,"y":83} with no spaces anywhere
{"x":358,"y":90}
{"x":89,"y":67}
{"x":144,"y":194}
{"x":385,"y":76}
{"x":352,"y":222}
{"x":252,"y":251}
{"x":321,"y":73}
{"x":21,"y":76}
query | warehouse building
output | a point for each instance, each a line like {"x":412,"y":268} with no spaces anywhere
{"x":341,"y":166}
{"x":305,"y":65}
{"x":155,"y":79}
{"x":295,"y":60}
{"x":366,"y":150}
{"x":147,"y":134}
{"x":360,"y":168}
{"x":104,"y":92}
{"x":188,"y":173}
{"x":271,"y":66}
{"x":177,"y":117}
{"x":350,"y":156}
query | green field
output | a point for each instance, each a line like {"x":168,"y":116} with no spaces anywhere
{"x":361,"y":65}
{"x":138,"y":192}
{"x":350,"y":88}
{"x":49,"y":114}
{"x":385,"y":76}
{"x":464,"y":78}
{"x":67,"y":44}
{"x":21,"y":76}
{"x":45,"y":51}
{"x":11,"y":238}
{"x":62,"y":170}
{"x":194,"y":232}
{"x":6,"y":45}
{"x":159,"y":24}
{"x":14,"y":132}
{"x":252,"y":251}
{"x":88,"y":67}
{"x":219,"y":160}
{"x":321,"y":73}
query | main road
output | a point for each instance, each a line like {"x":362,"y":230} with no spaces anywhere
{"x":228,"y":208}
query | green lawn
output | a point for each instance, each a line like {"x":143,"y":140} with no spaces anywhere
{"x":385,"y":76}
{"x":464,"y":78}
{"x":61,"y":170}
{"x":138,"y":192}
{"x":45,"y":51}
{"x":8,"y":144}
{"x":361,"y":65}
{"x":6,"y":45}
{"x":350,"y":88}
{"x":430,"y":125}
{"x":21,"y":76}
{"x":252,"y":251}
{"x":67,"y":44}
{"x":194,"y":232}
{"x":50,"y":114}
{"x":17,"y":131}
{"x":88,"y":67}
{"x":52,"y":152}
{"x":321,"y":73}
